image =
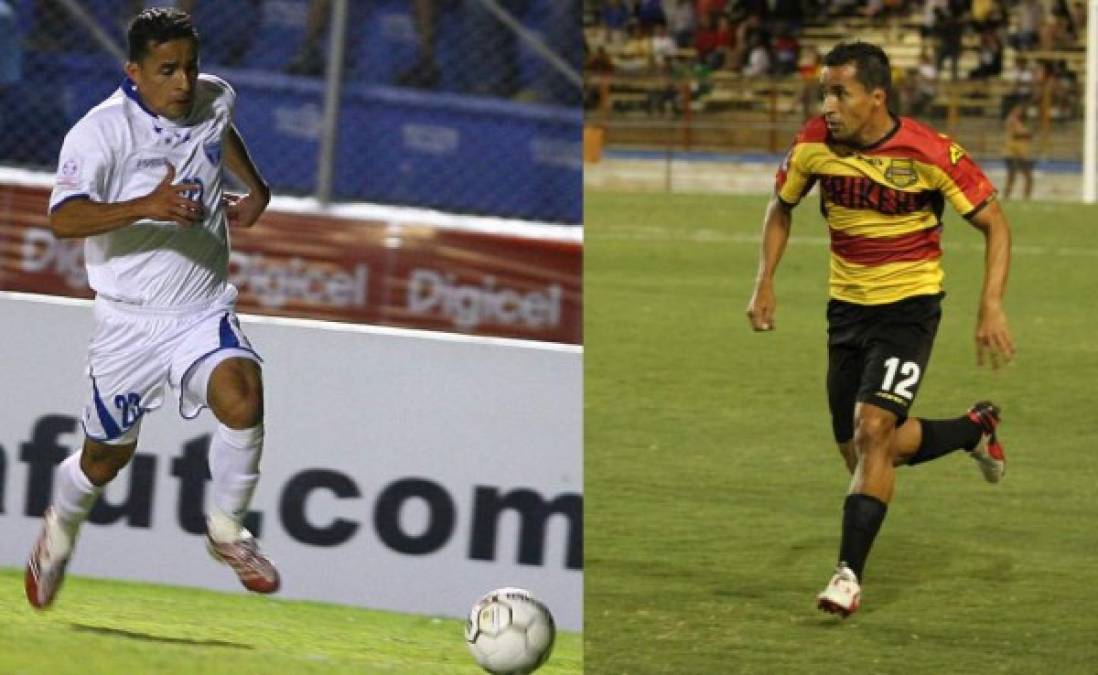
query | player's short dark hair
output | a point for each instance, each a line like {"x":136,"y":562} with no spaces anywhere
{"x":871,"y":67}
{"x":158,"y":25}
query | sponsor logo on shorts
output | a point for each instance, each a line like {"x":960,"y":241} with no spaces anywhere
{"x":893,"y":397}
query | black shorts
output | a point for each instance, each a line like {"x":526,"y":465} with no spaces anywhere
{"x":1019,"y":164}
{"x":877,"y":354}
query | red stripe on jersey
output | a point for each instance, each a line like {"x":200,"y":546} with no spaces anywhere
{"x":919,"y":245}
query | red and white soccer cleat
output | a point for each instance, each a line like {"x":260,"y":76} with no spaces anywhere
{"x":46,"y":566}
{"x":988,"y":453}
{"x":256,"y":571}
{"x":843,"y":594}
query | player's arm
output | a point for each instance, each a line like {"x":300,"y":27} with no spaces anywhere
{"x":244,"y":210}
{"x":775,"y":236}
{"x":993,"y":339}
{"x":83,"y":217}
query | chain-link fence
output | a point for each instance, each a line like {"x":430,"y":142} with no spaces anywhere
{"x":470,"y":106}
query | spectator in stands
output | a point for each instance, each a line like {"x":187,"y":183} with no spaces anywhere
{"x":1030,"y":15}
{"x":615,"y":17}
{"x":923,"y":84}
{"x":710,"y":8}
{"x":1023,"y":80}
{"x":681,"y":22}
{"x":1018,"y":142}
{"x":990,"y":56}
{"x":948,"y":32}
{"x":635,"y":56}
{"x":713,"y":42}
{"x":783,"y":15}
{"x":663,"y":47}
{"x":598,"y":66}
{"x":1058,"y":32}
{"x":758,"y":55}
{"x":785,"y":50}
{"x":649,"y":13}
{"x":809,"y":73}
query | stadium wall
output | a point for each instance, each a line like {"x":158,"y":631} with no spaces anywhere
{"x":403,"y":470}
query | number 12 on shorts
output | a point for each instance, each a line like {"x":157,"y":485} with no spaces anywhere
{"x":909,"y":376}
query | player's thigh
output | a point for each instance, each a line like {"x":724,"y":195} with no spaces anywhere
{"x":898,"y":354}
{"x":215,"y":366}
{"x":127,"y":371}
{"x":844,"y":374}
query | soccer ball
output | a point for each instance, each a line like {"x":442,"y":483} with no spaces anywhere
{"x":510,"y":632}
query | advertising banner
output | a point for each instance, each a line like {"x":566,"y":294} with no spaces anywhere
{"x":393,"y":268}
{"x":402,"y":470}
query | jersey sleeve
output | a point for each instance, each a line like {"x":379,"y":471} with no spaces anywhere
{"x":964,"y":184}
{"x":84,"y":166}
{"x":793,"y":180}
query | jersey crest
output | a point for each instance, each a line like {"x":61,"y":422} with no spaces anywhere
{"x":901,"y":172}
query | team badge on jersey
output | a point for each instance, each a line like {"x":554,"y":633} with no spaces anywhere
{"x":901,"y":173}
{"x":69,"y":175}
{"x":213,"y":152}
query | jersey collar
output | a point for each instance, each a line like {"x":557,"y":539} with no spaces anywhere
{"x":159,"y":121}
{"x":130,"y":90}
{"x":884,"y":139}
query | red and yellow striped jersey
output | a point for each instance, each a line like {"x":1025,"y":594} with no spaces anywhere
{"x":883,"y":205}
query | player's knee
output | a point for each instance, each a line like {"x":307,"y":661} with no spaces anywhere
{"x":241,"y":409}
{"x":237,"y":395}
{"x":872,"y":432}
{"x":101,"y":462}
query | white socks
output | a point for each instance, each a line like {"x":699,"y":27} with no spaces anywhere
{"x":73,"y":494}
{"x":234,"y":467}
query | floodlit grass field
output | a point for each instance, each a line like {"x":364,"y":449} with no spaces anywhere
{"x":714,"y":492}
{"x":115,"y":628}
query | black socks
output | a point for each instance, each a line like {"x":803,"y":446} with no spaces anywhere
{"x":862,"y":518}
{"x":941,"y":437}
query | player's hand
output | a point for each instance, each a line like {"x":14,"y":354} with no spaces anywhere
{"x":244,"y":210}
{"x":760,"y":309}
{"x":169,"y":202}
{"x":993,"y":342}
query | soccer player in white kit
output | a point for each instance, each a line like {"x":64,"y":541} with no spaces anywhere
{"x":140,"y":179}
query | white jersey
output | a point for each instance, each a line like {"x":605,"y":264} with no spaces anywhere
{"x":117,"y":152}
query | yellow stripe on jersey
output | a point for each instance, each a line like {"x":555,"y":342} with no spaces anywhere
{"x":881,"y":284}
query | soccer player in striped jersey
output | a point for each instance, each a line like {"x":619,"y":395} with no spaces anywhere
{"x":884,"y":181}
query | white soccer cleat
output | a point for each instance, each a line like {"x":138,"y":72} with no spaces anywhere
{"x":46,"y":566}
{"x":256,"y":572}
{"x":843,"y":594}
{"x":988,"y":453}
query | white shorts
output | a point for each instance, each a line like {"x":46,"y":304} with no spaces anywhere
{"x":134,"y":351}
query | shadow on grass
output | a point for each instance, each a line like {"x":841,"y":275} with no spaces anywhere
{"x":134,"y":635}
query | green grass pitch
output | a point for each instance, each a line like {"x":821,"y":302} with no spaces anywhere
{"x":714,"y":491}
{"x":106,"y":627}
